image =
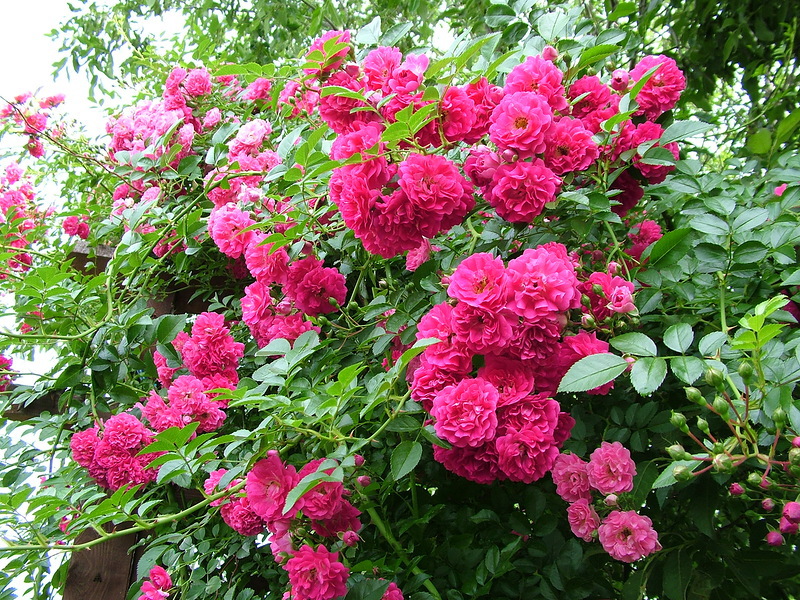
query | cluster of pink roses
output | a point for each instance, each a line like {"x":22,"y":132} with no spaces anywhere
{"x":625,"y":535}
{"x":324,"y":511}
{"x":504,"y":423}
{"x":19,"y":215}
{"x":6,"y":375}
{"x":77,"y":225}
{"x":111,"y":452}
{"x":211,"y":356}
{"x":157,"y":585}
{"x":32,"y":116}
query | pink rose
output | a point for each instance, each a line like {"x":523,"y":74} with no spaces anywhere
{"x":583,"y":519}
{"x":465,"y":413}
{"x":628,"y":536}
{"x":611,"y":469}
{"x":571,"y":476}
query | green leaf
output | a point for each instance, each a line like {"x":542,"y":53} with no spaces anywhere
{"x":169,"y":326}
{"x":712,"y":342}
{"x":404,"y":458}
{"x":679,"y":337}
{"x":623,"y":9}
{"x":306,"y":484}
{"x":672,"y":241}
{"x":667,"y":479}
{"x":370,"y":34}
{"x":687,"y":368}
{"x":677,"y":574}
{"x":368,"y":589}
{"x":595,"y":54}
{"x":680,"y":130}
{"x":787,"y":126}
{"x":634,"y":343}
{"x":709,"y":224}
{"x":750,"y":219}
{"x":648,"y":374}
{"x":750,"y":252}
{"x":760,"y":142}
{"x":395,"y":33}
{"x":592,"y":371}
{"x":643,"y":482}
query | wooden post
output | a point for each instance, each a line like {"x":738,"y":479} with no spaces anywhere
{"x":102,"y":572}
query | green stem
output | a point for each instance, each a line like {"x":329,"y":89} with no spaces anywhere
{"x":389,"y":537}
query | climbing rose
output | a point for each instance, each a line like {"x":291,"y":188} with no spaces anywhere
{"x":520,"y":190}
{"x":662,"y":90}
{"x":628,"y":536}
{"x":583,"y":519}
{"x":611,"y":469}
{"x":520,"y":122}
{"x":465,"y":413}
{"x":571,"y":476}
{"x":316,"y":574}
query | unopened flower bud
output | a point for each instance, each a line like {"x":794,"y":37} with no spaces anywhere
{"x":715,"y":378}
{"x":722,"y":463}
{"x":588,"y":322}
{"x":779,"y":417}
{"x":768,"y":504}
{"x":358,"y":460}
{"x":598,"y":289}
{"x":613,"y":268}
{"x":364,"y":480}
{"x":746,"y":370}
{"x":350,"y":538}
{"x":620,"y":80}
{"x":786,"y":526}
{"x":508,"y":155}
{"x":678,"y":452}
{"x":721,"y":407}
{"x":795,"y":470}
{"x":678,"y":420}
{"x":774,"y":538}
{"x":630,"y":360}
{"x":549,"y":53}
{"x":702,"y":425}
{"x":611,"y":500}
{"x":754,"y":479}
{"x":796,"y":441}
{"x":736,"y":489}
{"x":586,"y":301}
{"x":794,"y":456}
{"x":695,"y":395}
{"x":681,"y":473}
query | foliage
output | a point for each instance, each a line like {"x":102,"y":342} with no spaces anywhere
{"x":698,"y":379}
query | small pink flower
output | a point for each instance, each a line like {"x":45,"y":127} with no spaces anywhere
{"x":628,"y":536}
{"x":316,"y":574}
{"x":611,"y":469}
{"x":583,"y":519}
{"x":780,"y":189}
{"x":571,"y":476}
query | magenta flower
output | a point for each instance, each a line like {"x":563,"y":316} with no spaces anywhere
{"x":465,"y":413}
{"x":662,"y":90}
{"x":571,"y":476}
{"x":268,"y":484}
{"x":316,"y":574}
{"x":520,"y":122}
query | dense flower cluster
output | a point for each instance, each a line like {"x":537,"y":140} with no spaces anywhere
{"x":110,"y":452}
{"x":626,"y":536}
{"x":20,"y":219}
{"x":6,"y":375}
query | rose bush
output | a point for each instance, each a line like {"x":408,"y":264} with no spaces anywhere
{"x":455,"y":320}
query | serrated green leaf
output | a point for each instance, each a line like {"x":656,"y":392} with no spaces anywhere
{"x":405,"y":458}
{"x":679,"y":337}
{"x":592,"y":371}
{"x":634,"y":343}
{"x":709,"y":344}
{"x":687,"y":368}
{"x":648,"y":374}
